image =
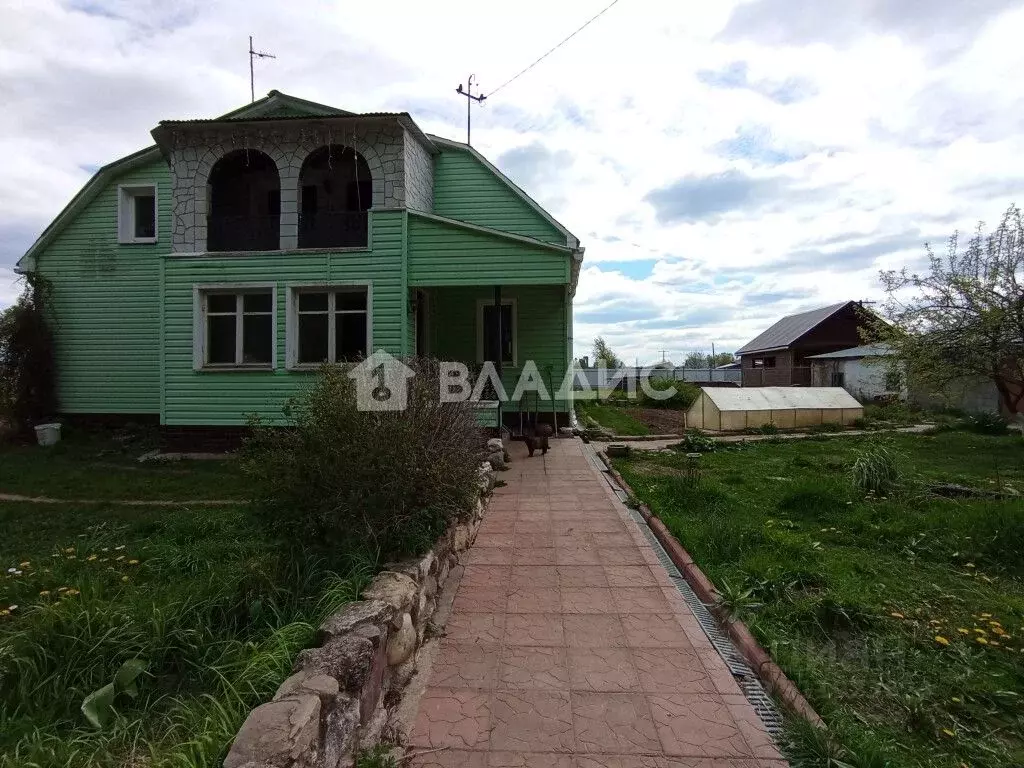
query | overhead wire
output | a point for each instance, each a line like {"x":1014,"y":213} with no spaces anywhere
{"x":522,"y":72}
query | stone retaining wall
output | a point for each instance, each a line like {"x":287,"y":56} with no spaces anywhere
{"x":344,"y":692}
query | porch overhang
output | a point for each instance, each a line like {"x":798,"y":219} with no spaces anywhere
{"x":448,"y":252}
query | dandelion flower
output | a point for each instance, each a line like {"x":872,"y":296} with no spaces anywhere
{"x":90,"y":558}
{"x":995,"y":643}
{"x":980,"y":631}
{"x":26,"y":564}
{"x":986,"y":615}
{"x":896,"y":615}
{"x":941,"y":640}
{"x":948,"y":732}
{"x":133,"y":562}
{"x":124,"y":578}
{"x":956,"y":699}
{"x":5,"y":612}
{"x":981,"y":640}
{"x":963,"y":631}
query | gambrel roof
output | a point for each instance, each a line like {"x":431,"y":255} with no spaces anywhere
{"x":275,"y":106}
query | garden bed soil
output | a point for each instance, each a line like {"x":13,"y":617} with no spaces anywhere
{"x":662,"y":421}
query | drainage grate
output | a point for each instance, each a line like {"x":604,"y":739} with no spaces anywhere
{"x":745,"y":677}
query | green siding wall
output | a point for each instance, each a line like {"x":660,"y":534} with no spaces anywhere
{"x":225,"y":398}
{"x":106,"y":305}
{"x":445,"y":254}
{"x":543,"y":335}
{"x":467,"y":190}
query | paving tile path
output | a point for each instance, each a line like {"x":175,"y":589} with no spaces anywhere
{"x":569,"y":647}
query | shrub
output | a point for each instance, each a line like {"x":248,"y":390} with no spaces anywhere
{"x":985,"y":424}
{"x":874,"y":470}
{"x":695,"y":442}
{"x":390,"y":481}
{"x":28,"y":371}
{"x":684,"y":397}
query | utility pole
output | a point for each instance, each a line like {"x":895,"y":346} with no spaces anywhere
{"x":252,"y":75}
{"x":470,"y":98}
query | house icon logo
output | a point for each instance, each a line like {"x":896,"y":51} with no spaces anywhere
{"x":381,"y":383}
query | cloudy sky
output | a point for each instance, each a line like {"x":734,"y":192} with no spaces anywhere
{"x":724,"y":163}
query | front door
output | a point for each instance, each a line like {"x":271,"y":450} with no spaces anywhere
{"x":421,"y":324}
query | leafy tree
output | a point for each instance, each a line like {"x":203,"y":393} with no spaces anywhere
{"x":604,"y":357}
{"x":28,"y":378}
{"x":707,"y":360}
{"x":696,"y":360}
{"x":964,"y":316}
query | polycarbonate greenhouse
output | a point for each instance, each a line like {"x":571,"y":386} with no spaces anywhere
{"x":732,"y":409}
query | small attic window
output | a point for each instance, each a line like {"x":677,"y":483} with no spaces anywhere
{"x":136,"y":214}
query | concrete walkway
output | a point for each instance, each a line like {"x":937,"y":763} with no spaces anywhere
{"x":568,"y":646}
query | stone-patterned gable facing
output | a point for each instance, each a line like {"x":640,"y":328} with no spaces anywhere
{"x":401,"y":174}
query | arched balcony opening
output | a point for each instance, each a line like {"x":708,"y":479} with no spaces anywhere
{"x":335,"y":192}
{"x":244,"y":199}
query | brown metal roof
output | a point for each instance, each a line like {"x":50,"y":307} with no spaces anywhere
{"x":789,"y":329}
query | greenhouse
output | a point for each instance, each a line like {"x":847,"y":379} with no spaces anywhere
{"x":733,"y":409}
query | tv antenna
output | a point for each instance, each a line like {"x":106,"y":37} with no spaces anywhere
{"x":470,"y":98}
{"x":253,"y":55}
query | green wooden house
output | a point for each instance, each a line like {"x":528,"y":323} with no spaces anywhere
{"x":203,"y":278}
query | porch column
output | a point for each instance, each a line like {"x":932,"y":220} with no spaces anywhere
{"x":497,"y":363}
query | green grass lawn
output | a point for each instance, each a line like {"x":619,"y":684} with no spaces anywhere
{"x":215,"y":608}
{"x":901,"y":618}
{"x":97,"y":467}
{"x":612,"y":417}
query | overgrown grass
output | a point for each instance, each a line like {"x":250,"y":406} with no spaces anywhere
{"x":611,"y":417}
{"x":900,"y":615}
{"x":215,"y":607}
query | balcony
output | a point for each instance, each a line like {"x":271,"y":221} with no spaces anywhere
{"x":243,"y":233}
{"x":333,"y":229}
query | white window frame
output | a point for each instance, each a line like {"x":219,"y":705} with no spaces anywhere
{"x":126,"y":194}
{"x":480,"y":304}
{"x":199,"y":330}
{"x":292,"y":318}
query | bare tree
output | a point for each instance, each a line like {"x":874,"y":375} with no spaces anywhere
{"x":965,"y":315}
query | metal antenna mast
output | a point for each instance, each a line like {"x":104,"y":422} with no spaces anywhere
{"x":253,"y":55}
{"x":470,"y":98}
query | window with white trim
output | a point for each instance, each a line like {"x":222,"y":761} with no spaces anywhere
{"x":238,"y":328}
{"x":487,"y":343}
{"x":329,"y":325}
{"x":137,"y":214}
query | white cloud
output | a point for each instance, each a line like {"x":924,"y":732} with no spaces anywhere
{"x":901,"y":130}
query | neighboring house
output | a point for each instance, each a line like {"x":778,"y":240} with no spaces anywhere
{"x":202,"y":279}
{"x":865,"y":372}
{"x":779,"y":356}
